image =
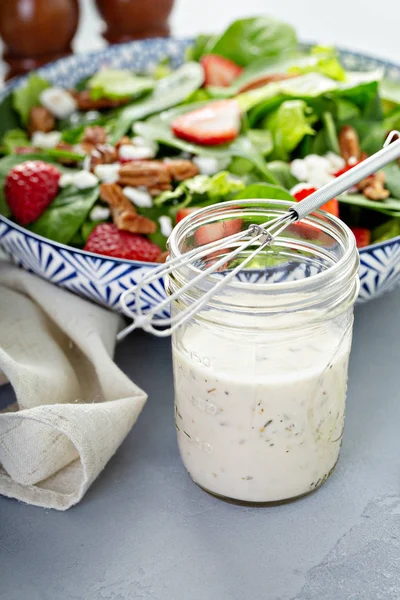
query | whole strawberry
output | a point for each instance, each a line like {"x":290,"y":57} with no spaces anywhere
{"x":108,"y":240}
{"x":29,"y":189}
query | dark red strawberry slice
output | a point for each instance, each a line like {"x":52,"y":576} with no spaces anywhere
{"x":332,"y":206}
{"x":219,"y":71}
{"x":362,"y":235}
{"x":213,"y":124}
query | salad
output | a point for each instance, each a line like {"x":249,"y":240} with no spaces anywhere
{"x":111,"y":165}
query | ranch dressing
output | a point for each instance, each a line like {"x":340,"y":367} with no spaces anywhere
{"x":260,"y":418}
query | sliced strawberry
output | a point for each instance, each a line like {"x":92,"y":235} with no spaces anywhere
{"x":346,"y":168}
{"x":213,"y":232}
{"x":362,"y":235}
{"x":216,"y":123}
{"x":332,"y":206}
{"x":108,"y":240}
{"x":219,"y":71}
{"x":265,"y":79}
{"x":184,"y":212}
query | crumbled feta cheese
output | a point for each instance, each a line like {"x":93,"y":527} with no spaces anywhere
{"x":165,"y":225}
{"x":314,"y":161}
{"x":209,"y":166}
{"x":84,"y":180}
{"x":318,"y":178}
{"x":129,"y":152}
{"x":138,"y":140}
{"x":139,"y":198}
{"x":65,"y":179}
{"x":352,"y":161}
{"x":78,"y":149}
{"x":107,"y":173}
{"x":58,"y":101}
{"x":46,"y":140}
{"x":298,"y":169}
{"x":99,"y":213}
{"x":336,"y":162}
{"x":87,"y":163}
{"x":299,"y":187}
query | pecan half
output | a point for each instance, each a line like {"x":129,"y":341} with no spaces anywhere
{"x":152,"y":174}
{"x":124,"y":141}
{"x":180,"y":169}
{"x":349,"y":144}
{"x":94,"y":135}
{"x":261,"y":81}
{"x":84,"y":101}
{"x":163,"y":257}
{"x":102,"y":154}
{"x":123,"y":212}
{"x":373,"y":186}
{"x":40,"y":119}
{"x":68,"y":148}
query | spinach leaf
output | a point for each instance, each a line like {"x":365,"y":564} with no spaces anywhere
{"x":248,"y":39}
{"x":14,"y":138}
{"x":386,"y":231}
{"x":66,"y":214}
{"x":262,"y":140}
{"x":199,"y":47}
{"x":8,"y":117}
{"x":390,"y":206}
{"x":28,"y":96}
{"x":167,"y":92}
{"x":392,"y":174}
{"x":282,"y":173}
{"x":264,"y":190}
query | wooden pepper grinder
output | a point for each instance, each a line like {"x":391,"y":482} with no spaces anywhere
{"x":35,"y":32}
{"x":135,"y":19}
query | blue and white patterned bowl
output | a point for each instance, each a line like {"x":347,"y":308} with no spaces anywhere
{"x":103,"y":279}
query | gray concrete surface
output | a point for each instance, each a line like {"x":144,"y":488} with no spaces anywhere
{"x":146,"y":532}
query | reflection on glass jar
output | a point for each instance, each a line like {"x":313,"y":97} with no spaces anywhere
{"x":261,"y":372}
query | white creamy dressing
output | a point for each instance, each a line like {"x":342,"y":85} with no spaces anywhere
{"x":260,"y":418}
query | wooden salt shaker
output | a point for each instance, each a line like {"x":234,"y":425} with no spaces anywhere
{"x":135,"y":19}
{"x":35,"y":32}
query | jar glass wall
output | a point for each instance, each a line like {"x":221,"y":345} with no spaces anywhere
{"x":261,"y":372}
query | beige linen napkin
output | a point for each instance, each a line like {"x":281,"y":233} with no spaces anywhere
{"x":74,"y":405}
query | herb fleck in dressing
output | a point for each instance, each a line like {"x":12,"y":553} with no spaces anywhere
{"x":264,"y":425}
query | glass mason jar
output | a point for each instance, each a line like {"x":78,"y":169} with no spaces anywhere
{"x":261,"y":371}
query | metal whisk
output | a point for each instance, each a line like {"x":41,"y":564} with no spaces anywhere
{"x":261,"y":235}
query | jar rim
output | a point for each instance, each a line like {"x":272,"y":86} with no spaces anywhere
{"x":347,"y":240}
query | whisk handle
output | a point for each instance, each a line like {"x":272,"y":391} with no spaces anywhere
{"x":390,"y":152}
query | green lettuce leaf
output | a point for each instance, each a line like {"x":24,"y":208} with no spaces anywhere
{"x":288,"y":125}
{"x":201,"y":190}
{"x":321,"y":60}
{"x":28,"y":96}
{"x":115,"y":84}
